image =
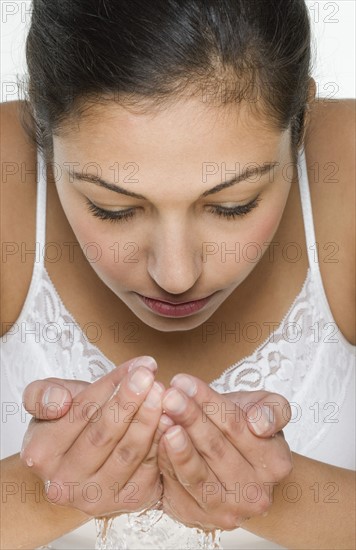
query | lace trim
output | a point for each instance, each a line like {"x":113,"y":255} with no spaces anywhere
{"x":271,"y":336}
{"x":88,"y":343}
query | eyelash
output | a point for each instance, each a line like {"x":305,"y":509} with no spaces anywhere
{"x":238,"y":211}
{"x":125,"y":215}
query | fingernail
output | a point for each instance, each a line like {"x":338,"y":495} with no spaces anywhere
{"x":176,"y":438}
{"x":116,"y":390}
{"x":153,"y":398}
{"x":144,"y":361}
{"x":166,"y":420}
{"x":264,"y":421}
{"x":54,"y":395}
{"x":161,"y":385}
{"x":174,"y":402}
{"x":164,"y":423}
{"x":140,"y":380}
{"x":185,"y":383}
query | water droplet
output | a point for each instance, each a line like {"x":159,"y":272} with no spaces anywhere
{"x":29,"y":462}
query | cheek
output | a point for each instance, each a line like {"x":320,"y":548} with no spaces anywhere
{"x":239,"y":255}
{"x":111,"y":257}
{"x":267,"y":220}
{"x":266,"y":226}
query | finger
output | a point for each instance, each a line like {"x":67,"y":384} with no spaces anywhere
{"x":176,"y":499}
{"x":146,"y":481}
{"x":164,"y":464}
{"x":204,"y":512}
{"x":102,"y":452}
{"x":145,"y":484}
{"x":105,"y":430}
{"x":60,"y":436}
{"x":217,"y":450}
{"x":182,"y":465}
{"x":164,"y":423}
{"x":266,"y":454}
{"x":148,"y":419}
{"x":266,"y":413}
{"x":51,"y":398}
{"x":189,"y":468}
{"x":152,"y":456}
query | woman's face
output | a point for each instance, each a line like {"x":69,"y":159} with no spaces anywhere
{"x":174,"y":246}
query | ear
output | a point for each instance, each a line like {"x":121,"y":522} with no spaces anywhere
{"x":312,"y":91}
{"x":309,"y":107}
{"x":310,"y":101}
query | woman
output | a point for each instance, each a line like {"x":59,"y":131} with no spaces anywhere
{"x":175,"y":136}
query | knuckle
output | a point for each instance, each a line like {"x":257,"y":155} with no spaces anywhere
{"x":169,"y":471}
{"x":216,"y":448}
{"x":63,"y":495}
{"x":26,"y":454}
{"x":285,"y":468}
{"x":191,"y":418}
{"x":236,"y":426}
{"x":98,"y":436}
{"x":150,"y":461}
{"x":196,"y":480}
{"x":228,"y":521}
{"x":262,"y":504}
{"x":37,"y":459}
{"x":282,"y":466}
{"x":126,"y":455}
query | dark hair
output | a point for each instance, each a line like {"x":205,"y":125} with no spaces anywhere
{"x":145,"y":54}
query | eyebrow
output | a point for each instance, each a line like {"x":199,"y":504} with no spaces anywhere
{"x":250,"y":172}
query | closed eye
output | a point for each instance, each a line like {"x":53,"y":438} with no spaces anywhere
{"x":126,"y":215}
{"x":237,"y":211}
{"x":108,"y":215}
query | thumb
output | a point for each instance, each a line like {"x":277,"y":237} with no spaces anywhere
{"x":266,"y":413}
{"x":51,"y":398}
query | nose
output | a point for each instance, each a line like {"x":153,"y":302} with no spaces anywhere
{"x":174,"y":258}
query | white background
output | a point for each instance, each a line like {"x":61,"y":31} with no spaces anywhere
{"x":333,"y":70}
{"x":333,"y":27}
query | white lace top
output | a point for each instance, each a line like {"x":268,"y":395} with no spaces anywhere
{"x":306,"y":359}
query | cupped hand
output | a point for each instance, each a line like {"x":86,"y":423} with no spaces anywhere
{"x":97,"y":450}
{"x":224,"y":455}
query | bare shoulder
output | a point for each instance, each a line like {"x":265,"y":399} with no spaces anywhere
{"x":330,"y":153}
{"x":18,"y":210}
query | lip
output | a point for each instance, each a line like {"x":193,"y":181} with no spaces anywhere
{"x":179,"y":309}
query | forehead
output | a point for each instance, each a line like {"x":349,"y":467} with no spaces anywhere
{"x":193,"y":114}
{"x":180,"y":137}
